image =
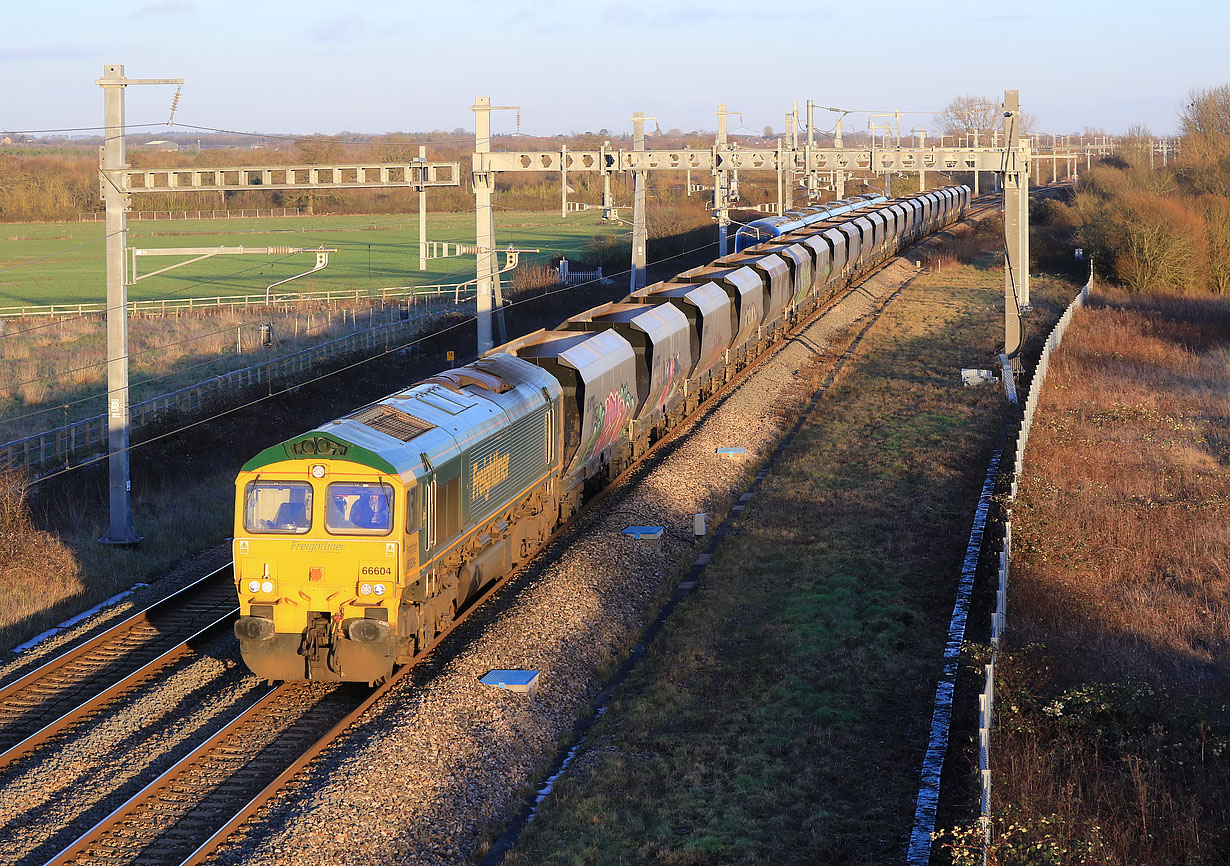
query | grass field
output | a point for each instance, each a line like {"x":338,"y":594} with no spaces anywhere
{"x":52,"y":372}
{"x":45,"y":263}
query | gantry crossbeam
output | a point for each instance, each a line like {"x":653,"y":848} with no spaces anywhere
{"x":750,"y":159}
{"x":265,"y":177}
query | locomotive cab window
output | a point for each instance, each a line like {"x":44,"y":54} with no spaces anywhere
{"x":359,"y":508}
{"x":449,"y":510}
{"x":282,"y":507}
{"x":414,"y":511}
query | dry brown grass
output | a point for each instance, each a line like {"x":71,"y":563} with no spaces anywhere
{"x":47,"y":364}
{"x":38,"y":573}
{"x":1116,"y":730}
{"x":962,"y":244}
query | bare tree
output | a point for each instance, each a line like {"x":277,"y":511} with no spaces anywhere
{"x":980,"y":114}
{"x":1204,"y":157}
{"x":1136,"y":146}
{"x":967,"y":114}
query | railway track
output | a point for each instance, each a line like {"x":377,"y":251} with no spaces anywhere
{"x":49,"y":700}
{"x":190,"y":809}
{"x":186,"y":812}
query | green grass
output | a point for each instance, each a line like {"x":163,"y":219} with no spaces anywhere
{"x":781,"y":715}
{"x":45,"y":263}
{"x":46,"y":364}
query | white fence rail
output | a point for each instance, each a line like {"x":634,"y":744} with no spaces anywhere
{"x":243,"y":213}
{"x":986,"y":700}
{"x":163,"y":306}
{"x":569,"y":277}
{"x":73,"y":443}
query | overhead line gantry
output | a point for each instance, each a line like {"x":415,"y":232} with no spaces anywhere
{"x":119,"y":182}
{"x":1009,"y":161}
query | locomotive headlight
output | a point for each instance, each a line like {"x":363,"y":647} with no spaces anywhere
{"x":365,"y":589}
{"x":379,"y":588}
{"x":254,"y":586}
{"x":267,"y":586}
{"x":318,"y":470}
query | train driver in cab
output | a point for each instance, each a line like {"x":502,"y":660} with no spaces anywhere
{"x":370,"y":512}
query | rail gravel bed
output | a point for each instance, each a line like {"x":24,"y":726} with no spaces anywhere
{"x":47,"y":799}
{"x":432,"y":773}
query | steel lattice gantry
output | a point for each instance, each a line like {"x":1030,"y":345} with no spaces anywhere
{"x":1011,"y":162}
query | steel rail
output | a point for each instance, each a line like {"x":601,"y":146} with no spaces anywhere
{"x":97,"y":664}
{"x":101,"y":699}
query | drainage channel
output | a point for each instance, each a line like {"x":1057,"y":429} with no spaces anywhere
{"x":919,"y":851}
{"x":512,"y":833}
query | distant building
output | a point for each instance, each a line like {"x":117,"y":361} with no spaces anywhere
{"x":161,"y":144}
{"x":6,"y":140}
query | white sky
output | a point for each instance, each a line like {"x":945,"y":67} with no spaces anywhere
{"x":379,"y":66}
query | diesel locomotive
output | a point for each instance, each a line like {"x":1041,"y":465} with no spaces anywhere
{"x":356,"y":543}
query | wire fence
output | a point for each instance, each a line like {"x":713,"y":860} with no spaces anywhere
{"x":71,"y":443}
{"x":986,"y":700}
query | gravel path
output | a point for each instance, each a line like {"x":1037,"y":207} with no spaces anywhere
{"x":430,"y":775}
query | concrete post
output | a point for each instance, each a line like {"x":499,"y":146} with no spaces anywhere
{"x":781,"y":206}
{"x":640,"y":231}
{"x":1023,"y":280}
{"x":721,"y":203}
{"x":608,"y":204}
{"x":423,"y":211}
{"x":840,"y":173}
{"x":120,"y":530}
{"x":793,"y":135}
{"x":813,"y":179}
{"x":1016,"y":228}
{"x":922,"y":172}
{"x":484,"y":221}
{"x":976,"y":172}
{"x":563,"y":181}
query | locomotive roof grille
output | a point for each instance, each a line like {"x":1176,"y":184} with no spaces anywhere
{"x":391,"y":421}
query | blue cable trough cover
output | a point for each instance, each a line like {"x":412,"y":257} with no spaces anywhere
{"x":730,"y":451}
{"x":653,"y":533}
{"x":524,"y":682}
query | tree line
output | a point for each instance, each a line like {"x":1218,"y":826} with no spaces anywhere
{"x":1161,"y":227}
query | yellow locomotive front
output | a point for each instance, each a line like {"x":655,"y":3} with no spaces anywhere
{"x":325,"y":534}
{"x":359,"y":542}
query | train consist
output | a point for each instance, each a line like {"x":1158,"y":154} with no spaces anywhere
{"x":357,"y":543}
